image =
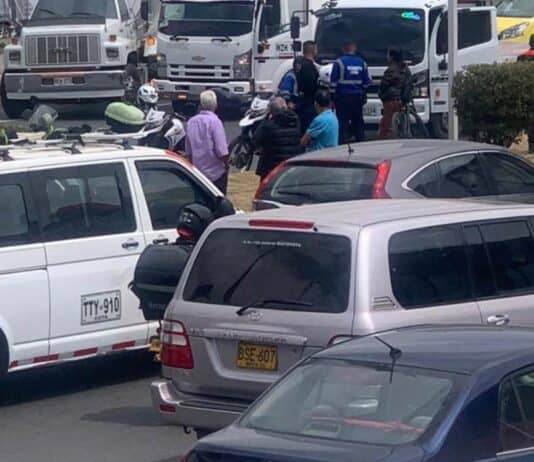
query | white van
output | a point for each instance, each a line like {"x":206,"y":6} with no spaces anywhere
{"x":71,"y":230}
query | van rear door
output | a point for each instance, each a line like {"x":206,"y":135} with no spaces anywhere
{"x":257,"y":299}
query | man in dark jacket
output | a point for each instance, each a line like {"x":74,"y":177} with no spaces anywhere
{"x":307,"y":75}
{"x":277,"y":137}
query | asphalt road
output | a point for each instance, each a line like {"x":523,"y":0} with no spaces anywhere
{"x":92,"y":411}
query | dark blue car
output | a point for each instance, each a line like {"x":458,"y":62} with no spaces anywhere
{"x":451,"y":394}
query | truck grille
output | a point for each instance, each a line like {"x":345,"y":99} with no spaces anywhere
{"x":54,"y":50}
{"x":200,"y":72}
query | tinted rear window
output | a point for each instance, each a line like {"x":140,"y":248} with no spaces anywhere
{"x":240,"y":267}
{"x":312,"y":183}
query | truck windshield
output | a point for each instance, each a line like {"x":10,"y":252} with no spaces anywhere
{"x":374,"y":30}
{"x":516,"y":8}
{"x":48,"y":9}
{"x":226,"y":18}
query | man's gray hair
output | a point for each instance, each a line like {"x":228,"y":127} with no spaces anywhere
{"x":277,"y":106}
{"x":208,"y":100}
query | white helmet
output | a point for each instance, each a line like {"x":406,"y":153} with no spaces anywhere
{"x":147,"y":96}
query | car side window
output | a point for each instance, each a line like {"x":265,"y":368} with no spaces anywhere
{"x":511,"y":250}
{"x":123,"y":8}
{"x":428,"y":267}
{"x":78,"y":202}
{"x":426,"y":182}
{"x":270,"y":19}
{"x":462,"y":176}
{"x":167,"y":189}
{"x":509,"y":175}
{"x":479,"y":263}
{"x":516,"y":413}
{"x":14,"y":222}
{"x":474,"y":28}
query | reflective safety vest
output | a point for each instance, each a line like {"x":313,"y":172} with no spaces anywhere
{"x":350,"y":76}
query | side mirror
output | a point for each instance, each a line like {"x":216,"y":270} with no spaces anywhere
{"x":295,"y":27}
{"x":443,"y":65}
{"x":144,"y":10}
{"x":297,"y":46}
{"x":261,"y":48}
{"x":531,"y":42}
{"x":223,"y":208}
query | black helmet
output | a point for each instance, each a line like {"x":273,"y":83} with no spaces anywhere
{"x":193,"y":219}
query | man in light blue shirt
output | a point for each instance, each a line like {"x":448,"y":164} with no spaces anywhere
{"x":324,"y":130}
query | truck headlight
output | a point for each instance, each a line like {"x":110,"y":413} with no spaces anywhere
{"x":14,"y":56}
{"x":420,"y":88}
{"x":243,"y":65}
{"x":515,"y":31}
{"x":112,"y":53}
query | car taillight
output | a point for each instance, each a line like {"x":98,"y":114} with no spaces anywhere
{"x":379,"y":186}
{"x":268,"y":178}
{"x":175,"y":347}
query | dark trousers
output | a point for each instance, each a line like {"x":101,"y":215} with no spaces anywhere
{"x":306,"y":112}
{"x":222,"y":183}
{"x":349,"y":111}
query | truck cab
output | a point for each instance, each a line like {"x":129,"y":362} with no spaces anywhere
{"x":241,"y":46}
{"x":419,"y":29}
{"x":70,"y":50}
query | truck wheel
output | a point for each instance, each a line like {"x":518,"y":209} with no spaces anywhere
{"x":132,"y":82}
{"x":439,"y":124}
{"x":4,"y":355}
{"x":12,"y":108}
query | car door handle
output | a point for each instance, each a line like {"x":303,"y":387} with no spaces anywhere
{"x":499,"y":320}
{"x":160,"y":240}
{"x":130,"y":244}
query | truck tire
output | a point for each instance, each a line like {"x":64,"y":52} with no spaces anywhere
{"x":132,"y":82}
{"x":12,"y":108}
{"x":439,"y":124}
{"x":4,"y":355}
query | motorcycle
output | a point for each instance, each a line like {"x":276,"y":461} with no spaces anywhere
{"x":241,"y":149}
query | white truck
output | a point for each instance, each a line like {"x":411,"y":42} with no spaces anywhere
{"x":242,"y":46}
{"x":419,"y":29}
{"x":73,"y":50}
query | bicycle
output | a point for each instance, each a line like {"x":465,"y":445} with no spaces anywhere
{"x":407,"y":124}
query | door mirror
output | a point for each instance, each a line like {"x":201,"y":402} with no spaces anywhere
{"x":295,"y":27}
{"x":261,"y":48}
{"x":144,"y":11}
{"x":223,"y":208}
{"x":443,"y":65}
{"x":297,"y":46}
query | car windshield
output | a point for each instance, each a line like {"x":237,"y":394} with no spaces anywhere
{"x":310,"y":269}
{"x":346,"y":401}
{"x":48,"y":9}
{"x":375,"y":30}
{"x":516,"y":8}
{"x":310,"y":183}
{"x":227,"y":18}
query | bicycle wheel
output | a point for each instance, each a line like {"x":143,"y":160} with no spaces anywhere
{"x":240,"y":152}
{"x":418,"y":127}
{"x":400,"y":125}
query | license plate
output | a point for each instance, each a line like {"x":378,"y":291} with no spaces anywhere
{"x":101,"y":307}
{"x":261,"y":357}
{"x":62,"y":81}
{"x":370,"y":111}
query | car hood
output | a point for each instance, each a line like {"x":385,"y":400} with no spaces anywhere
{"x":262,"y":446}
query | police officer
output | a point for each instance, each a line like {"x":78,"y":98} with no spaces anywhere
{"x":307,"y":73}
{"x":350,"y":80}
{"x":288,"y":89}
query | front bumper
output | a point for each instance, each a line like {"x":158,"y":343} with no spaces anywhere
{"x":192,"y":410}
{"x":190,"y":91}
{"x":41,"y":85}
{"x":372,"y":111}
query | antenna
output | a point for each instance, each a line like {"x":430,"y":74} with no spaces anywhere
{"x":350,"y":149}
{"x":394,"y":354}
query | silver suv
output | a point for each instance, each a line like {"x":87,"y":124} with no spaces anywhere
{"x":262,"y":291}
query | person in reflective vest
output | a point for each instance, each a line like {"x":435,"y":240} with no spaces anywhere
{"x":349,"y":82}
{"x":288,"y":89}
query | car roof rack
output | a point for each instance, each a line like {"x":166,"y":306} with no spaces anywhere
{"x":70,"y":143}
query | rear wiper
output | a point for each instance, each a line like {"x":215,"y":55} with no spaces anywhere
{"x":287,"y":192}
{"x":271,"y":301}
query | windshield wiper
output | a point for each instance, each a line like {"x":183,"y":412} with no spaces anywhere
{"x":222,"y":38}
{"x":50,"y":12}
{"x":84,"y":13}
{"x":271,"y":301}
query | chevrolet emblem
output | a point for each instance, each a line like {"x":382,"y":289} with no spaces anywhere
{"x":198,"y":58}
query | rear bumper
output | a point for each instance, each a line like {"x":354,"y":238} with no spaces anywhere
{"x":95,"y":85}
{"x":193,"y":410}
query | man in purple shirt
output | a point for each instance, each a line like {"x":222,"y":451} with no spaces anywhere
{"x":206,"y":142}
